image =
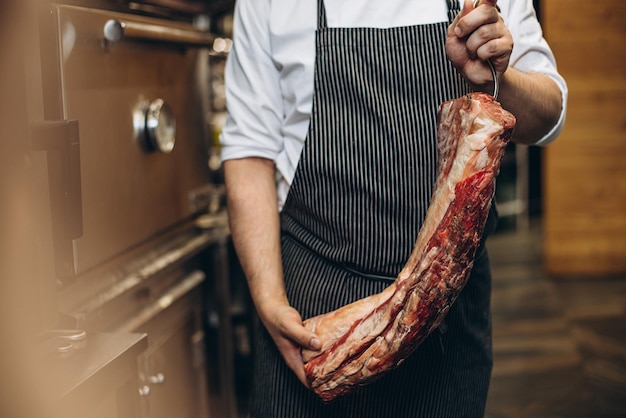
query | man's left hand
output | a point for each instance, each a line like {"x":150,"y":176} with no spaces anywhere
{"x":477,"y":35}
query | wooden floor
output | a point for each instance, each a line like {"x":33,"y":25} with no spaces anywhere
{"x":560,"y":345}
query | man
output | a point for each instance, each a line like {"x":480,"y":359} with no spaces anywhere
{"x":330,"y":159}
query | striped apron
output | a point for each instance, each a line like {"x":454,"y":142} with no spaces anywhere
{"x":358,"y":199}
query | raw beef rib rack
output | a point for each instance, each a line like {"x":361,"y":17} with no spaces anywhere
{"x":363,"y":340}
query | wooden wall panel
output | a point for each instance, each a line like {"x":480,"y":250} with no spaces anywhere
{"x":585,"y":169}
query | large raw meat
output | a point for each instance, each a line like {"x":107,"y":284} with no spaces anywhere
{"x":371,"y":336}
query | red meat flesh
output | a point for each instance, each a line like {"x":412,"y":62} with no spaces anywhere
{"x":363,"y":340}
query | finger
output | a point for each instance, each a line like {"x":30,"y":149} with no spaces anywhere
{"x":293,"y":359}
{"x":498,"y":51}
{"x":493,"y":3}
{"x":467,"y":7}
{"x":293,"y":329}
{"x":483,"y":42}
{"x":488,"y":50}
{"x":476,"y":19}
{"x":290,"y":326}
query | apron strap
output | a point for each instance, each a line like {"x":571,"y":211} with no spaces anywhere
{"x":321,"y":15}
{"x":454,"y":7}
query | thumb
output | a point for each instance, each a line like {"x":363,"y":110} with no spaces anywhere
{"x":294,"y":329}
{"x":493,"y":3}
{"x":305,"y":338}
{"x":468,"y":6}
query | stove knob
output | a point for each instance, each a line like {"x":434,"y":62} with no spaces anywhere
{"x":160,"y":126}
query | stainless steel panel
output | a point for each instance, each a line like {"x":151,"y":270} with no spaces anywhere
{"x":130,"y":194}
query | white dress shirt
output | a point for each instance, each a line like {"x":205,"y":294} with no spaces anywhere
{"x":269,"y":73}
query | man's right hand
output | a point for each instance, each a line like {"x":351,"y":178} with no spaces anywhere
{"x":255,"y":229}
{"x":284,"y":325}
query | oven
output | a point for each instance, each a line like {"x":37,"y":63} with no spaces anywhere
{"x":131,"y":96}
{"x":131,"y":104}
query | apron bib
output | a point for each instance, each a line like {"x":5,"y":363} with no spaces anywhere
{"x":356,"y":204}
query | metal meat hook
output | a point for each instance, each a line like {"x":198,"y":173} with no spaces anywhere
{"x":494,"y":74}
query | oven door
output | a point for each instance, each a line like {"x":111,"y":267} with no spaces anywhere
{"x":137,"y":88}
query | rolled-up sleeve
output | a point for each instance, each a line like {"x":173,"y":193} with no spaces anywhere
{"x":253,"y":97}
{"x":532,"y":53}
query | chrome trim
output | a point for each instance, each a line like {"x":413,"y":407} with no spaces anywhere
{"x":116,"y":30}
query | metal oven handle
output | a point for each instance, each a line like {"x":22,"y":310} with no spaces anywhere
{"x":116,"y":30}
